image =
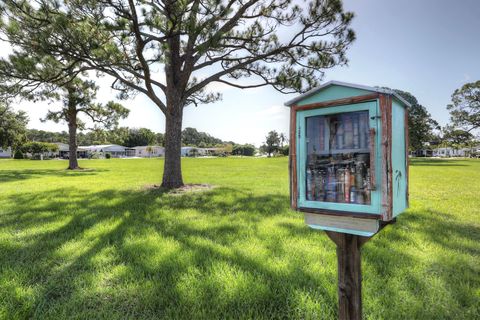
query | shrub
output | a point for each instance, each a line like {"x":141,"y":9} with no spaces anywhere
{"x":284,"y":150}
{"x":37,"y":149}
{"x":108,"y":156}
{"x":18,"y":154}
{"x":243,"y":150}
{"x":95,"y":155}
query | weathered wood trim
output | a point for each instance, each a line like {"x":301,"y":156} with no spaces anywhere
{"x":337,"y":102}
{"x":384,"y":147}
{"x":389,"y":158}
{"x":407,"y":159}
{"x":340,"y":213}
{"x":293,"y":158}
{"x":386,"y":165}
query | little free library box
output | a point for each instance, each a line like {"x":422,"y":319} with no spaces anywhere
{"x":348,"y":157}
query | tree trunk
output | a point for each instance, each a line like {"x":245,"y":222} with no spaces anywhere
{"x":72,"y":138}
{"x":172,"y":169}
{"x":176,"y":86}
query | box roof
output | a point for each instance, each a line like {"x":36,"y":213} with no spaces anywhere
{"x":346,"y":84}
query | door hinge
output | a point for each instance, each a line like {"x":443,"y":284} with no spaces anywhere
{"x":299,"y":132}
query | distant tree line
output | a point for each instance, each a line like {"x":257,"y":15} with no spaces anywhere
{"x":275,"y":144}
{"x":131,"y":137}
{"x":47,"y":136}
{"x":12,"y":127}
{"x":192,"y":137}
{"x":421,"y":126}
{"x":243,"y":150}
{"x":426,"y":133}
{"x":36,"y":149}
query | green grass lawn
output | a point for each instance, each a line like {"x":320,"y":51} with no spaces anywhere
{"x":98,"y":244}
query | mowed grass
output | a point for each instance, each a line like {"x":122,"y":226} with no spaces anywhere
{"x":97,"y":244}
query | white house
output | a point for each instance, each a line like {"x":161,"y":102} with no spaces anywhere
{"x":192,"y":152}
{"x":5,"y":153}
{"x":213,"y":151}
{"x":451,"y":152}
{"x":143,"y":151}
{"x":476,"y":149}
{"x":64,"y":151}
{"x":114,"y":150}
{"x":471,"y":152}
{"x":421,"y":153}
{"x":442,"y":152}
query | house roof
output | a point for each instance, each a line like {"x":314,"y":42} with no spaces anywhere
{"x":144,"y":147}
{"x":104,"y":147}
{"x":346,"y":84}
{"x":62,"y":146}
{"x":65,"y":147}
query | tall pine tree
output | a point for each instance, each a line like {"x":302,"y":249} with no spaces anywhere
{"x":171,"y":50}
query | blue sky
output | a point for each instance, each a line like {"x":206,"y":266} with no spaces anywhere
{"x":427,"y":47}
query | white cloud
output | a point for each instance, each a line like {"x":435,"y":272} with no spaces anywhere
{"x":276,"y":111}
{"x":5,"y":50}
{"x":218,"y":87}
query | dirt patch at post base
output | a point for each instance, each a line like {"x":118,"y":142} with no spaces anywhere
{"x":188,"y":188}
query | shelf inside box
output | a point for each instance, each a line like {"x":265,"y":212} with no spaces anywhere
{"x":341,"y":151}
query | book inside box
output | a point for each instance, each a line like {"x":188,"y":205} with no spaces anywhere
{"x":338,"y":158}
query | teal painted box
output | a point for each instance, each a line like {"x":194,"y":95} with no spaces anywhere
{"x":349,"y":157}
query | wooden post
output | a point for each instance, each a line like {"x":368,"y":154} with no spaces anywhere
{"x":349,"y":274}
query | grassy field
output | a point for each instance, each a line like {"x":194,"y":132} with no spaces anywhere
{"x":99,"y":244}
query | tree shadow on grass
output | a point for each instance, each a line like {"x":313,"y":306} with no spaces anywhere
{"x":400,"y":284}
{"x":171,"y":256}
{"x":438,"y":162}
{"x":444,"y":229}
{"x":24,"y":174}
{"x":440,"y":286}
{"x":149,"y":254}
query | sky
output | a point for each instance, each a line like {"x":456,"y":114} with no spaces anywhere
{"x":429,"y":48}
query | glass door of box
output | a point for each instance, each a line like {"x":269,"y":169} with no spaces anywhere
{"x":336,"y":152}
